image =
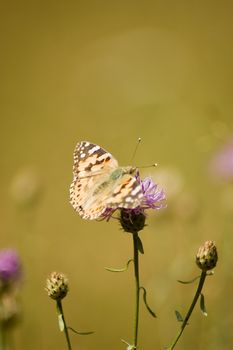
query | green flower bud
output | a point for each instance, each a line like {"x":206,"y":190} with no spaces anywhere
{"x":207,"y":256}
{"x":57,"y":286}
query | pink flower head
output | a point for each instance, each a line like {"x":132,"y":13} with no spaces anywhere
{"x":10,"y":266}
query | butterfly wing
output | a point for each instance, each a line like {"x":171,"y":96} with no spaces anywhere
{"x":83,"y":200}
{"x":126,"y":193}
{"x":92,"y":165}
{"x":91,"y":159}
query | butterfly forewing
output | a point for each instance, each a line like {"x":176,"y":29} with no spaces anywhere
{"x":99,"y":183}
{"x":91,"y":159}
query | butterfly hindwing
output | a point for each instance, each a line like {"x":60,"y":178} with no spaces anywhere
{"x":80,"y":201}
{"x":127,"y":193}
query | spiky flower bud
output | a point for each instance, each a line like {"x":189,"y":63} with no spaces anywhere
{"x":131,"y":221}
{"x":57,"y":286}
{"x":207,"y":256}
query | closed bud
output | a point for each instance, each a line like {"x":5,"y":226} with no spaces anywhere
{"x":57,"y":286}
{"x":207,"y":256}
{"x":131,"y":221}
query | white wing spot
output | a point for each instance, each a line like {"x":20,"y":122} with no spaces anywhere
{"x":92,"y":150}
{"x":105,"y":155}
{"x":129,"y":199}
{"x":136,"y":190}
{"x":82,"y":155}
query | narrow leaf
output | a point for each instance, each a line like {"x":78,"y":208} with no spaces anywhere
{"x":188,"y":282}
{"x":202,"y":305}
{"x":119,"y":270}
{"x":210,"y":273}
{"x":146,"y":304}
{"x":61,"y":323}
{"x":140,"y":246}
{"x":129,"y":347}
{"x":80,"y":333}
{"x":178,"y":316}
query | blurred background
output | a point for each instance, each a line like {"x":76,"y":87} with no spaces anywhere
{"x":110,"y":72}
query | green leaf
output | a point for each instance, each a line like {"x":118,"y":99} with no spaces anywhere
{"x":188,"y":282}
{"x":210,"y":273}
{"x":61,"y":323}
{"x":80,"y":333}
{"x":202,"y":305}
{"x":129,"y":347}
{"x":178,"y":316}
{"x":140,"y":246}
{"x":146,"y":304}
{"x":119,"y":270}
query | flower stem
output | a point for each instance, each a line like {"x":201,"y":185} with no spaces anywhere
{"x":61,"y":314}
{"x":137,"y":288}
{"x":2,"y":338}
{"x":185,"y":322}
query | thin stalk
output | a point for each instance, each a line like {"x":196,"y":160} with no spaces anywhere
{"x":2,"y":338}
{"x":137,"y":288}
{"x":185,"y":322}
{"x":60,"y":312}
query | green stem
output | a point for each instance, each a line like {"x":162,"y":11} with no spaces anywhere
{"x":60,"y":312}
{"x":137,"y":289}
{"x":5,"y":340}
{"x":185,"y":322}
{"x":2,"y":337}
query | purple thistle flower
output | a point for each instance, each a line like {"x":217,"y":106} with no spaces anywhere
{"x":153,"y":196}
{"x":10,"y":266}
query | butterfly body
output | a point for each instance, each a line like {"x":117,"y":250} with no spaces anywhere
{"x":99,"y":183}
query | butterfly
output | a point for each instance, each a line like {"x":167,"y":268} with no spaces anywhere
{"x":99,"y":183}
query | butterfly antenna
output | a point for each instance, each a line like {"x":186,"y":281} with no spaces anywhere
{"x":135,"y":150}
{"x":148,"y":166}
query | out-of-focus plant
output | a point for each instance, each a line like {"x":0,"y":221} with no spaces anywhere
{"x":25,"y":188}
{"x":10,"y":280}
{"x":221,"y":164}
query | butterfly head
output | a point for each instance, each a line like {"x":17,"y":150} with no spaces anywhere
{"x":130,"y":170}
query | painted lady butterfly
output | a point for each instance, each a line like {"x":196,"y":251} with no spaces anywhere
{"x":99,"y":183}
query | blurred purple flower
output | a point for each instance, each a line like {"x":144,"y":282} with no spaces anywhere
{"x":221,"y":165}
{"x":153,"y":198}
{"x":10,"y":266}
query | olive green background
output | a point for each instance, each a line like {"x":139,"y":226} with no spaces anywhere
{"x":110,"y":72}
